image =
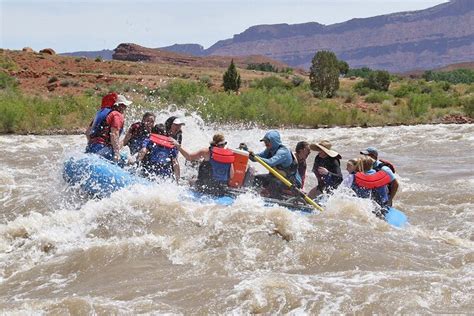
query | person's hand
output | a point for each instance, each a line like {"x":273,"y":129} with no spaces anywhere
{"x":251,"y":155}
{"x":175,"y":142}
{"x":323,"y":171}
{"x":116,"y":157}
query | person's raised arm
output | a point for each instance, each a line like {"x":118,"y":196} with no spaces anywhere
{"x":115,"y":142}
{"x":200,"y":154}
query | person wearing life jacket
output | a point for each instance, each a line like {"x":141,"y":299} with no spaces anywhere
{"x":158,"y":157}
{"x":216,"y":168}
{"x":104,"y":131}
{"x":279,"y":157}
{"x":326,"y":168}
{"x":173,"y":127}
{"x":369,"y":183}
{"x":380,"y":164}
{"x":351,"y":168}
{"x":302,"y":152}
{"x":138,"y":132}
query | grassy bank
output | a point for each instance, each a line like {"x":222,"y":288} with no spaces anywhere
{"x":279,"y":100}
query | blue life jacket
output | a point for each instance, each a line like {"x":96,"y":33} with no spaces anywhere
{"x":162,"y":151}
{"x":221,"y":160}
{"x":99,"y":119}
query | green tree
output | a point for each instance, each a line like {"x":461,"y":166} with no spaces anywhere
{"x":343,"y":67}
{"x":324,"y":74}
{"x":231,"y":78}
{"x":378,"y":80}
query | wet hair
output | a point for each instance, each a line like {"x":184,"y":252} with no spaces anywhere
{"x":159,"y":129}
{"x":301,"y":145}
{"x":147,"y":115}
{"x":365,"y":163}
{"x":217,"y":138}
{"x":169,"y":122}
{"x":353,"y":161}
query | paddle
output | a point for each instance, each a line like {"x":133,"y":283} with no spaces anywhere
{"x":287,"y":183}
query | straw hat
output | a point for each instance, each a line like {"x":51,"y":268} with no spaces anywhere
{"x":325,"y":146}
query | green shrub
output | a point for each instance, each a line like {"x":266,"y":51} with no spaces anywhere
{"x":468,"y":106}
{"x":377,"y":97}
{"x":297,"y":81}
{"x":418,"y":104}
{"x":442,"y":100}
{"x":348,"y":96}
{"x":262,"y":67}
{"x":361,"y":89}
{"x":455,"y":76}
{"x":269,"y":83}
{"x":98,"y":59}
{"x":7,"y":63}
{"x":206,"y":81}
{"x":378,"y":80}
{"x":359,"y":72}
{"x":405,"y":90}
{"x":52,"y":79}
{"x":7,"y":82}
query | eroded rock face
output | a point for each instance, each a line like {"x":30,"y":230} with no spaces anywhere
{"x":399,"y":42}
{"x":134,"y":52}
{"x":48,"y":51}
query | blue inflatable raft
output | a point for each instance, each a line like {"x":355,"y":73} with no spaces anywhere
{"x":99,"y":177}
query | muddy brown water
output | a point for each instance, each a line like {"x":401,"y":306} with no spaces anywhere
{"x":146,"y":250}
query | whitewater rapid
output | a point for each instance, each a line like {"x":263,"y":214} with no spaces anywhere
{"x":146,"y":250}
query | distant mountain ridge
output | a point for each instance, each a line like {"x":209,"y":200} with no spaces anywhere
{"x":398,"y":42}
{"x":423,"y":39}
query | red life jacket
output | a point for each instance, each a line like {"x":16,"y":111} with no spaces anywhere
{"x":372,"y":181}
{"x":109,"y":100}
{"x":161,"y":140}
{"x":222,"y":155}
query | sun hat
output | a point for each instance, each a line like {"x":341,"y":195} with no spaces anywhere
{"x":122,"y":100}
{"x":325,"y":146}
{"x":370,"y":150}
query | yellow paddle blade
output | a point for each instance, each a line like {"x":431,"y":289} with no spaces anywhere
{"x":287,"y":183}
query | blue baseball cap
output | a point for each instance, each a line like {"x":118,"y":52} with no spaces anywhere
{"x":370,"y":150}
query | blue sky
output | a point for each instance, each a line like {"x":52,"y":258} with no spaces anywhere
{"x":74,"y":25}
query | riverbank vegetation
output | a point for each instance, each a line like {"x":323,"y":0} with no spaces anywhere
{"x":272,"y":100}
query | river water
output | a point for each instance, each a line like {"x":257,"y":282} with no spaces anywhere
{"x":145,"y":250}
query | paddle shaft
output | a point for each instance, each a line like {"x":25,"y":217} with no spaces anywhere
{"x":287,"y":183}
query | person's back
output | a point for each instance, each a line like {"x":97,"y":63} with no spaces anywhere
{"x":215,"y":169}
